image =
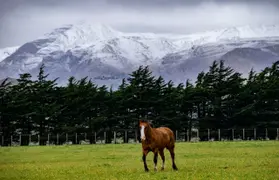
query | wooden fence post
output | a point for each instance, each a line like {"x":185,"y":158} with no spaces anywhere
{"x":198,"y":134}
{"x":20,"y":139}
{"x":266,"y":134}
{"x":208,"y":134}
{"x":66,"y":138}
{"x":277,"y":133}
{"x":136,"y":136}
{"x":255,"y":134}
{"x":114,"y":137}
{"x":29,"y":139}
{"x":11,"y":140}
{"x":188,"y":138}
{"x":2,"y":143}
{"x":39,"y":139}
{"x":76,"y":139}
{"x":233,"y":134}
{"x":176,"y":135}
{"x":48,"y":139}
{"x":57,"y":139}
{"x":95,"y":134}
{"x":219,"y":135}
{"x":243,"y":134}
{"x":105,"y":137}
{"x":125,"y":137}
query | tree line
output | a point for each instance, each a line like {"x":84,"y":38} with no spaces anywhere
{"x":219,"y":98}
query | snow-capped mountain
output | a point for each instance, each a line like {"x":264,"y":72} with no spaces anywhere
{"x":107,"y":55}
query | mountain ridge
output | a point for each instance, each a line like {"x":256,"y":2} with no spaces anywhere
{"x":107,"y":55}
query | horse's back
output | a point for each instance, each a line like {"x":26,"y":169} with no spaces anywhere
{"x":166,"y":130}
{"x":168,"y":136}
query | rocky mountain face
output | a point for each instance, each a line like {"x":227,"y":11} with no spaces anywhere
{"x":107,"y":55}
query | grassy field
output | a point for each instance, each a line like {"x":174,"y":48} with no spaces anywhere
{"x":206,"y":160}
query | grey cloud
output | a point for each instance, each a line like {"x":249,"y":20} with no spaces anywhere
{"x":133,"y":3}
{"x":179,"y":3}
{"x":25,"y":20}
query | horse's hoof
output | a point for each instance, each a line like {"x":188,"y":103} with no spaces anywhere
{"x":162,"y":169}
{"x":146,"y":170}
{"x":175,"y":168}
{"x":155,"y":169}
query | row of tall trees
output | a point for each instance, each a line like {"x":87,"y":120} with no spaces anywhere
{"x":219,"y":98}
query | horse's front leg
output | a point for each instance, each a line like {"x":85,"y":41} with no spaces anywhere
{"x":144,"y":154}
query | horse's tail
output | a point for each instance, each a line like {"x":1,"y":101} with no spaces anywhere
{"x":172,"y":139}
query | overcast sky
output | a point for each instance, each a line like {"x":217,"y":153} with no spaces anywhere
{"x":25,"y":20}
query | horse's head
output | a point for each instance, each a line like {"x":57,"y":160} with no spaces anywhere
{"x":145,"y":128}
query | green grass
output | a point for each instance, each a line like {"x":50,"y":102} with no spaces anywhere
{"x":206,"y":160}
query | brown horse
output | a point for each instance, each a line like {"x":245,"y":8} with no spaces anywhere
{"x":156,"y":140}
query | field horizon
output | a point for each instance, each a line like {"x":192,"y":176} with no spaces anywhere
{"x":201,"y":160}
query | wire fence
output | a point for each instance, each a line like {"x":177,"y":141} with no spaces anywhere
{"x":132,"y":136}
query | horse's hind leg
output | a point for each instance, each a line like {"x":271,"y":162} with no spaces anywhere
{"x":172,"y":157}
{"x":161,"y":152}
{"x":155,"y":160}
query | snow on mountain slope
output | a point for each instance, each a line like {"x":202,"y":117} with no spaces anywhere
{"x":7,"y":52}
{"x":241,"y":55}
{"x":107,"y":55}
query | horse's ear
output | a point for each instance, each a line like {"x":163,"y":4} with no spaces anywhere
{"x":151,"y":123}
{"x":141,"y":120}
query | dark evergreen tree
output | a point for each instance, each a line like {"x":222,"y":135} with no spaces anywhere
{"x":21,"y":106}
{"x":6,"y":126}
{"x":140,"y":94}
{"x":44,"y":105}
{"x":223,"y":85}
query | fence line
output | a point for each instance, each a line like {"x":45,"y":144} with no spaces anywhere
{"x":131,"y":136}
